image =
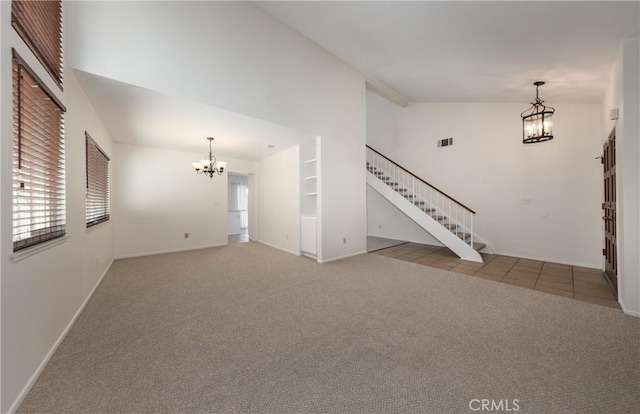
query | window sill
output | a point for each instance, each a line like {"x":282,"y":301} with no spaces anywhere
{"x":97,"y":226}
{"x":23,"y":254}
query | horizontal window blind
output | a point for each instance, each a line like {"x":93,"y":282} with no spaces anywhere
{"x":38,"y":161}
{"x":97,"y":204}
{"x":39,"y":24}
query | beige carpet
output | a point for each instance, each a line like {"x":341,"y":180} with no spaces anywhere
{"x":250,"y":329}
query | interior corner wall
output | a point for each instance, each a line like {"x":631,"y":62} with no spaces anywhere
{"x":489,"y":169}
{"x":623,"y":93}
{"x":279,"y":205}
{"x":384,"y":219}
{"x":255,"y":65}
{"x":167,"y":209}
{"x":42,"y":294}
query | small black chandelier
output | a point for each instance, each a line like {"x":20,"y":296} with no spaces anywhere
{"x":209,"y":165}
{"x":537,"y":121}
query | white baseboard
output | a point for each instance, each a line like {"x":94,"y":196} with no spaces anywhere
{"x":278,"y":247}
{"x":346,"y":256}
{"x":128,"y":256}
{"x":45,"y":361}
{"x":627,"y":311}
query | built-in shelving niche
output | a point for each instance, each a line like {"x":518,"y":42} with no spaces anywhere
{"x":310,"y":193}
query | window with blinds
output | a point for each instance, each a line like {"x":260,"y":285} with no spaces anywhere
{"x":97,"y":205}
{"x":38,"y":160}
{"x":39,"y":24}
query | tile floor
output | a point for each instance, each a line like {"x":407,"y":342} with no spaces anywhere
{"x":576,"y":282}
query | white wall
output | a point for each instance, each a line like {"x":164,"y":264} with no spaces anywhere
{"x":158,"y":198}
{"x":42,"y":293}
{"x":253,"y":65}
{"x":489,"y":169}
{"x":623,"y":93}
{"x":385,"y":220}
{"x":382,"y":121}
{"x":279,"y":195}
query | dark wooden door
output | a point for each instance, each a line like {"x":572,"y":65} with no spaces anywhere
{"x":609,"y":210}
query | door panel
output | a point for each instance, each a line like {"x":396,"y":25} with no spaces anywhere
{"x":609,"y":211}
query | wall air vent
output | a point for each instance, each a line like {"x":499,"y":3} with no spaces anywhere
{"x":447,"y":142}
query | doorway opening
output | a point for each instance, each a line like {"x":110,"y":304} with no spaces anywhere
{"x":238,"y":208}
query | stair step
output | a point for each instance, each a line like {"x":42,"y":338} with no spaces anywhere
{"x":463,"y":235}
{"x":450,"y":226}
{"x":418,"y":203}
{"x":479,"y":246}
{"x":427,"y":209}
{"x":400,"y":190}
{"x":439,"y":218}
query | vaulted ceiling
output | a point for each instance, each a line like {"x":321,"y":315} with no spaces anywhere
{"x":155,"y":74}
{"x":472,"y":51}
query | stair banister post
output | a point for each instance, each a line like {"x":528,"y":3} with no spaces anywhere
{"x":464,"y":221}
{"x":449,"y":201}
{"x":471,"y":229}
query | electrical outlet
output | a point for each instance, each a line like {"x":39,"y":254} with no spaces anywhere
{"x":379,"y":226}
{"x":286,"y":237}
{"x":186,"y":235}
{"x":344,"y":240}
{"x":525,"y":200}
{"x":97,"y":260}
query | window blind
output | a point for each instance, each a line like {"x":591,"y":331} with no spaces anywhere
{"x":39,"y":24}
{"x":38,"y":160}
{"x":97,"y":203}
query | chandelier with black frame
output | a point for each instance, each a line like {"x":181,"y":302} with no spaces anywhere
{"x":537,"y":121}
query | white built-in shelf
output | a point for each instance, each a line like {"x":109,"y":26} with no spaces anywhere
{"x":310,"y":161}
{"x":311,"y":194}
{"x":313,"y":177}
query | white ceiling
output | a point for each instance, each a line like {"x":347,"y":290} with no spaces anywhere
{"x":140,"y":116}
{"x":470,"y":51}
{"x":427,"y":51}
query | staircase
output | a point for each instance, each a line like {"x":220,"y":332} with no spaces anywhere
{"x":445,"y":218}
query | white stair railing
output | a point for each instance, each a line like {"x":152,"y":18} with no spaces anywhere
{"x":452,"y":214}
